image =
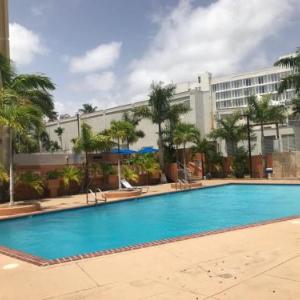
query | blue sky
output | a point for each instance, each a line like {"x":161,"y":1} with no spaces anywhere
{"x":107,"y":52}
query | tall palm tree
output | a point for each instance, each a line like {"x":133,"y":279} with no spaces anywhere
{"x":87,"y":108}
{"x":262,"y":111}
{"x":184,"y":133}
{"x":35,"y":88}
{"x":89,"y":142}
{"x":292,"y":81}
{"x":231,"y":131}
{"x":159,"y":112}
{"x":24,"y":100}
{"x":134,"y":134}
{"x":59,"y":131}
{"x":19,"y":116}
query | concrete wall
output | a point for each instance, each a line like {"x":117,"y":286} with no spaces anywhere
{"x":198,"y":101}
{"x":286,"y":165}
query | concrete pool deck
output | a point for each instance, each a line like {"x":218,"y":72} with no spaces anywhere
{"x":260,"y":262}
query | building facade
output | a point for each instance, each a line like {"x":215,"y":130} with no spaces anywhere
{"x":209,"y":99}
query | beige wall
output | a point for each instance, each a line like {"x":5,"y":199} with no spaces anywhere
{"x":4,"y":49}
{"x":101,"y":120}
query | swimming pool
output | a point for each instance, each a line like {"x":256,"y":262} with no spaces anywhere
{"x":114,"y":225}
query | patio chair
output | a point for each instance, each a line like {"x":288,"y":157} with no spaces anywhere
{"x":127,"y":186}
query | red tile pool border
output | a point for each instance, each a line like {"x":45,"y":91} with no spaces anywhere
{"x":38,"y":261}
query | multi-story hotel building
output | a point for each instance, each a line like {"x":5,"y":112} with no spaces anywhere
{"x":209,"y":99}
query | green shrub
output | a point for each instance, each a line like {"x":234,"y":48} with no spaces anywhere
{"x":32,"y":180}
{"x":55,"y":174}
{"x":240,"y":163}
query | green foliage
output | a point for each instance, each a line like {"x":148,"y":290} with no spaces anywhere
{"x":240,"y":163}
{"x":32,"y":180}
{"x":296,"y":106}
{"x":87,"y":108}
{"x":71,"y":174}
{"x":230,"y":130}
{"x":120,"y":130}
{"x":129,"y":173}
{"x":3,"y":175}
{"x":135,"y":134}
{"x":291,"y":81}
{"x":59,"y":131}
{"x":161,"y":112}
{"x":145,"y":163}
{"x":107,"y":169}
{"x":89,"y":142}
{"x":184,"y":133}
{"x":262,"y":111}
{"x":55,"y":174}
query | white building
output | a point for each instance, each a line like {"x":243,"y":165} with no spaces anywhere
{"x":209,"y":98}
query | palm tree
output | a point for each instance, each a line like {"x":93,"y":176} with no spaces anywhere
{"x":184,"y":133}
{"x":291,"y":81}
{"x":159,"y":112}
{"x":59,"y":131}
{"x":134,"y":134}
{"x":71,"y":174}
{"x":87,"y":108}
{"x":145,"y":163}
{"x":32,"y":180}
{"x":35,"y":88}
{"x":89,"y":142}
{"x":231,"y":131}
{"x":120,"y":131}
{"x":262,"y":111}
{"x":19,"y":116}
{"x":208,"y":149}
{"x":24,"y":99}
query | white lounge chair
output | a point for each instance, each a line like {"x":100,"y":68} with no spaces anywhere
{"x":129,"y":187}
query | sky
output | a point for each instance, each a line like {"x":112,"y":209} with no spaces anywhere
{"x":107,"y":52}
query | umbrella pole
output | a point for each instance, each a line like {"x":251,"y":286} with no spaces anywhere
{"x":119,"y":174}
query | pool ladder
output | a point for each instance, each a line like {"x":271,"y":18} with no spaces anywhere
{"x":94,"y":195}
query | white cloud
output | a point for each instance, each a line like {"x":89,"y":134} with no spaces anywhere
{"x":101,"y":82}
{"x":218,"y":38}
{"x":100,"y":58}
{"x":24,"y":44}
{"x":95,"y":82}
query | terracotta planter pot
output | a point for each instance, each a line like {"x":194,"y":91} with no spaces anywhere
{"x":53,"y":186}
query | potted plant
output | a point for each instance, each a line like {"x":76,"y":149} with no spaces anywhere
{"x":71,"y":175}
{"x":53,"y":182}
{"x":29,"y":185}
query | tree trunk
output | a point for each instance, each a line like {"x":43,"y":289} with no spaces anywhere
{"x":184,"y":164}
{"x":86,"y":176}
{"x":262,"y":138}
{"x":161,"y":154}
{"x":161,"y":150}
{"x":11,"y":170}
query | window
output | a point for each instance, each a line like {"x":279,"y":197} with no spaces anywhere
{"x":260,"y":80}
{"x":247,"y":82}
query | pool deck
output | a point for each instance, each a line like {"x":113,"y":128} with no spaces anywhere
{"x":260,"y":262}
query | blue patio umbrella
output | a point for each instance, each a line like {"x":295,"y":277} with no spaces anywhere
{"x":147,"y":150}
{"x":121,"y":152}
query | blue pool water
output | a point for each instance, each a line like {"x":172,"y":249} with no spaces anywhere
{"x":137,"y":221}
